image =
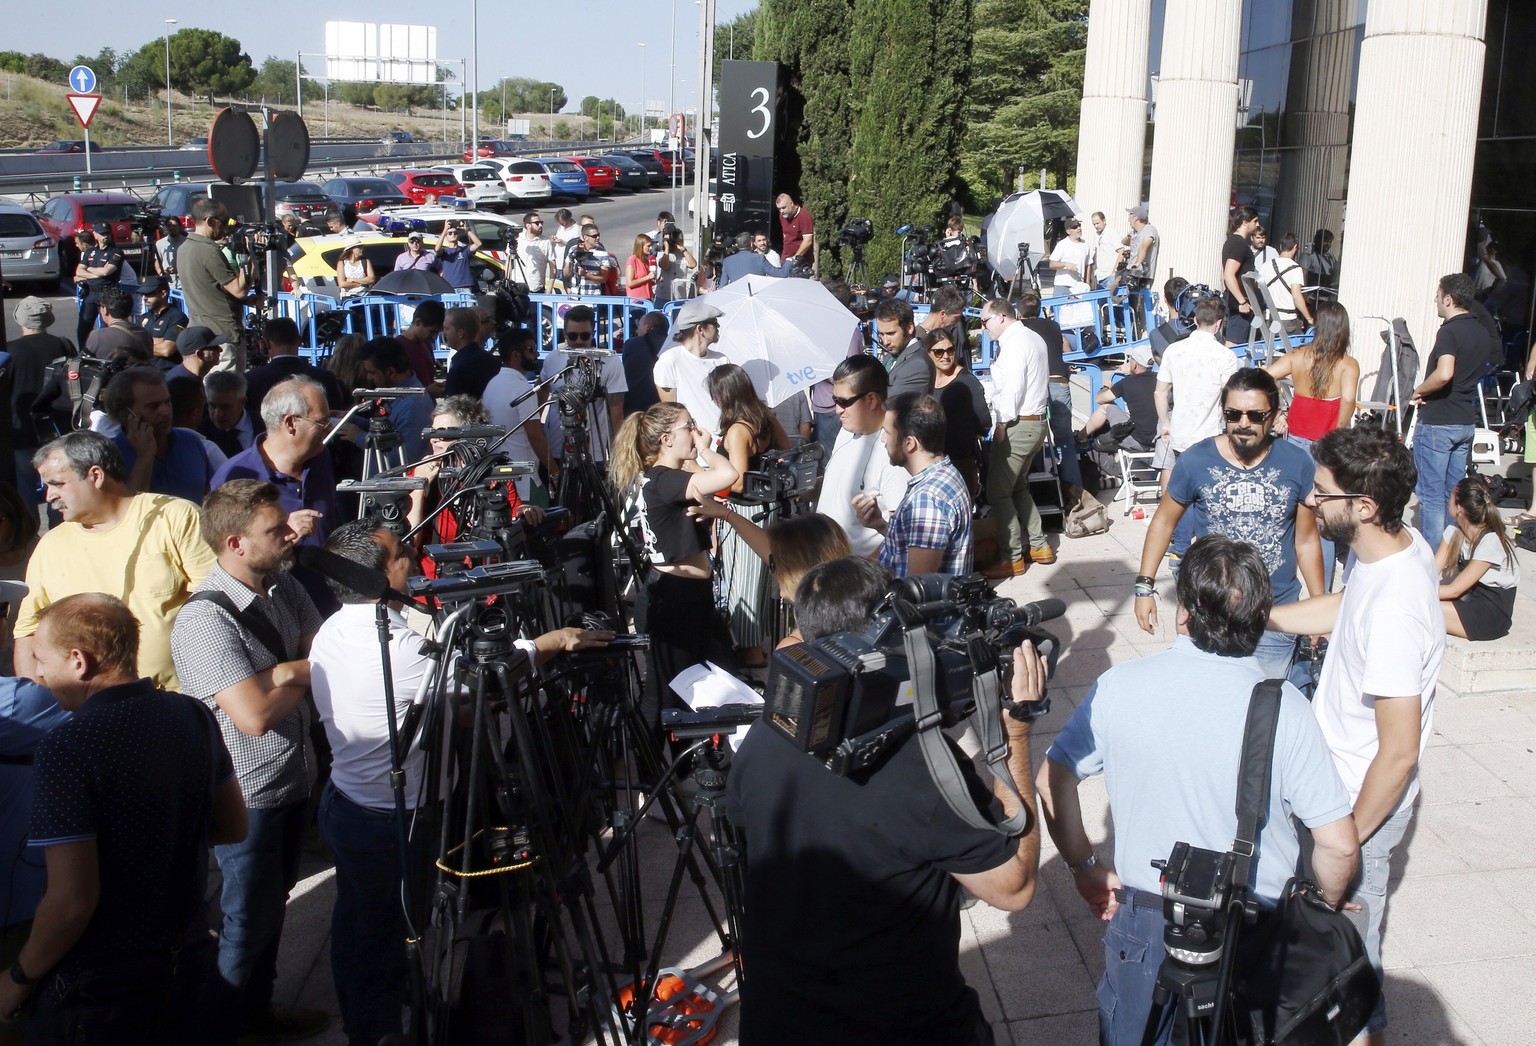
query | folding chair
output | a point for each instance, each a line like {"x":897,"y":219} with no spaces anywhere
{"x":1138,"y":476}
{"x":1393,"y":388}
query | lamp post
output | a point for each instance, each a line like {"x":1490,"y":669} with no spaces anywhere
{"x":170,"y":140}
{"x":552,"y":113}
{"x":641,"y":44}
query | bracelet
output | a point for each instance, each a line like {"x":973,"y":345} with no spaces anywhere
{"x":1078,"y":869}
{"x":1145,"y":591}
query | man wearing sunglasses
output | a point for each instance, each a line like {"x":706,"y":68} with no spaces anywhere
{"x":1248,"y":486}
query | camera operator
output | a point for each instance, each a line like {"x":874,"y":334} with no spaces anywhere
{"x":357,"y":808}
{"x":212,"y":287}
{"x":1138,"y":255}
{"x":749,"y":262}
{"x":1170,"y":753}
{"x":676,"y":266}
{"x":589,"y":268}
{"x":580,"y":332}
{"x":871,"y":868}
{"x":118,"y":332}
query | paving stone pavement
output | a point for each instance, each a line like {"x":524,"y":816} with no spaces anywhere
{"x":1460,"y":940}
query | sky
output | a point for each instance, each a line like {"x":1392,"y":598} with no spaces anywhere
{"x":589,"y":48}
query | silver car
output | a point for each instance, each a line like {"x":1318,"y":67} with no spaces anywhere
{"x":27,"y":252}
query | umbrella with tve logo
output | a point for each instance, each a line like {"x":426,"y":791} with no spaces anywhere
{"x":787,"y":334}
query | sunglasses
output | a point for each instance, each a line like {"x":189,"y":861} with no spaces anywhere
{"x":942,"y":352}
{"x":1256,"y":417}
{"x":1318,"y":495}
{"x":578,"y":335}
{"x":846,"y":401}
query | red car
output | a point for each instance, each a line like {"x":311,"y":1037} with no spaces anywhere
{"x":425,"y":186}
{"x":600,"y":175}
{"x":490,"y":149}
{"x":68,"y":213}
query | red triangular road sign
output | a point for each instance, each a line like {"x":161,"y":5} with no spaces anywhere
{"x":84,"y":106}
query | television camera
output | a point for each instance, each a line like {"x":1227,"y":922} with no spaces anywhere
{"x":782,"y":475}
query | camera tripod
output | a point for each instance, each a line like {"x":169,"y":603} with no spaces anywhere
{"x":1201,"y":993}
{"x":858,"y":269}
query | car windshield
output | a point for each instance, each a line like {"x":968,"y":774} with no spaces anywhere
{"x":19,"y":225}
{"x":108,"y":212}
{"x":366,"y":185}
{"x":562,"y":167}
{"x":300,"y":191}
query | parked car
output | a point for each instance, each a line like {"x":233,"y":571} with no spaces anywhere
{"x":600,"y":174}
{"x":27,"y":253}
{"x":627,"y":173}
{"x":68,"y":145}
{"x":176,"y":200}
{"x":481,"y":183}
{"x":423,"y":185}
{"x":303,"y":200}
{"x":646,"y":158}
{"x":495,"y":230}
{"x":671,"y":158}
{"x":397,"y":138}
{"x":490,"y":148}
{"x":196,"y":145}
{"x":68,"y":213}
{"x":565,"y":178}
{"x":314,"y":257}
{"x":366,"y":194}
{"x":525,"y":180}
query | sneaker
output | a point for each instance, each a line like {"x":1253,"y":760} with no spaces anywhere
{"x":284,"y":1024}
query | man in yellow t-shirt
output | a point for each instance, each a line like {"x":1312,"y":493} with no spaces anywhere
{"x":145,"y":549}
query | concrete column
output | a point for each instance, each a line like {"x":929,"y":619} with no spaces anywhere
{"x":1112,"y":129}
{"x":1410,"y":175}
{"x":1196,"y":127}
{"x":1316,"y":120}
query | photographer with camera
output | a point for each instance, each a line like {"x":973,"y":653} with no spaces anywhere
{"x":675,"y":268}
{"x":589,"y":268}
{"x":872,"y":868}
{"x":212,"y":287}
{"x":1169,"y":753}
{"x":455,"y":248}
{"x":1138,"y":254}
{"x":654,"y":471}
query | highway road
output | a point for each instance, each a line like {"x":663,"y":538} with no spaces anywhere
{"x":620,"y":216}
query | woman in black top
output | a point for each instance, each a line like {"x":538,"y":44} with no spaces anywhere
{"x":654,"y":468}
{"x":965,"y":407}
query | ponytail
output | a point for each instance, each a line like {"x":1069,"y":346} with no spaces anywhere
{"x":638,"y":442}
{"x":1476,"y":500}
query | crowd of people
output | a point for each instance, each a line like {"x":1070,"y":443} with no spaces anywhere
{"x":168,"y":568}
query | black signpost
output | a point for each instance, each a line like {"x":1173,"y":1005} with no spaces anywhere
{"x":749,"y":97}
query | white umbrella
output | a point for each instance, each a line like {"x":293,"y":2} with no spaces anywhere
{"x":787,"y":334}
{"x":1021,"y":218}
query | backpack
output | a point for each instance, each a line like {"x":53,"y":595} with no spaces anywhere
{"x":1087,"y":517}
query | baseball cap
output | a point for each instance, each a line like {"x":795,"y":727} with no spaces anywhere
{"x":1074,"y":223}
{"x":1139,"y":212}
{"x":195,"y":339}
{"x":693,"y":314}
{"x":151,"y":285}
{"x":415,"y":236}
{"x":105,"y":228}
{"x":1142,"y":354}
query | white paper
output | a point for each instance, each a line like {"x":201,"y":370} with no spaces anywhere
{"x":710,"y":686}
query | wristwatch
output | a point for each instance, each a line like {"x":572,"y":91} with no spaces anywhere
{"x":1029,"y":711}
{"x":1078,"y":869}
{"x":20,"y":976}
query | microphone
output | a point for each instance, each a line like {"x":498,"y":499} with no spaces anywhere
{"x":904,"y":230}
{"x":365,"y":581}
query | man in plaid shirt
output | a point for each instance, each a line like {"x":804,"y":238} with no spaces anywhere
{"x":930,"y":531}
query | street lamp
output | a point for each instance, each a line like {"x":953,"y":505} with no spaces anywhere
{"x":641,"y":44}
{"x":552,"y":113}
{"x":170,"y":140}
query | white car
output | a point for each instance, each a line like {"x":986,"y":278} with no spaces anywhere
{"x":524,"y":179}
{"x":482,"y":184}
{"x":494,"y":230}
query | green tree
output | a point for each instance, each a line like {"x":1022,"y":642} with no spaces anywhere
{"x":44,"y":67}
{"x":810,"y":38}
{"x":563,"y":131}
{"x":396,"y":97}
{"x":910,"y":67}
{"x":589,"y":105}
{"x":736,"y":39}
{"x":1026,"y":94}
{"x":208,"y":63}
{"x":276,"y":82}
{"x":525,"y":96}
{"x":143,"y":71}
{"x":13,"y":62}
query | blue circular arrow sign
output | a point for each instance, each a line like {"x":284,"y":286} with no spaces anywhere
{"x":82,"y":80}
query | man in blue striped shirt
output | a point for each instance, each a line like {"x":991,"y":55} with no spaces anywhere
{"x":930,"y":531}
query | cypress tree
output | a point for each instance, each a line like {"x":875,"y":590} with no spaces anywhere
{"x":910,"y":71}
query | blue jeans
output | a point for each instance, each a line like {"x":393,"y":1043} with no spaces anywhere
{"x":1370,"y":893}
{"x":1440,"y":454}
{"x":368,"y":927}
{"x":1133,"y":953}
{"x":258,"y":874}
{"x":1061,"y":432}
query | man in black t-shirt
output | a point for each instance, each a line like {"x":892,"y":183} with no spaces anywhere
{"x":1237,"y":259}
{"x":129,"y":793}
{"x":31,"y":354}
{"x":162,"y":321}
{"x":1138,"y":388}
{"x":871,"y":869}
{"x":1447,"y":402}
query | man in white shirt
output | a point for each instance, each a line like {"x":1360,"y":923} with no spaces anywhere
{"x":580,"y":331}
{"x":358,"y":809}
{"x":534,"y":252}
{"x":859,"y":466}
{"x":1104,"y":248}
{"x":509,"y":404}
{"x":1263,"y":253}
{"x":1284,"y":277}
{"x":1375,"y":700}
{"x":682,"y":372}
{"x":1193,"y":371}
{"x":1071,"y":259}
{"x":1020,"y":373}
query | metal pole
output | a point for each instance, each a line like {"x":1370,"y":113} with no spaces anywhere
{"x":642,"y":92}
{"x":703,"y":123}
{"x":463,"y":84}
{"x":474,"y":76}
{"x":676,"y":144}
{"x":298,"y":82}
{"x":170,"y":140}
{"x":552,"y":114}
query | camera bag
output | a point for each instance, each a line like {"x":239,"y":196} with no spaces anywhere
{"x":1301,"y":974}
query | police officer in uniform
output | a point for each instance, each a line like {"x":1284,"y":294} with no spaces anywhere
{"x":162,"y":321}
{"x":99,"y":267}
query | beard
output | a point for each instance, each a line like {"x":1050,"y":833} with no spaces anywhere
{"x":271,"y":566}
{"x":1248,"y":451}
{"x":1340,"y":532}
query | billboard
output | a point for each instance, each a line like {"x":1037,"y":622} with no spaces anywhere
{"x":749,"y":93}
{"x":368,"y":51}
